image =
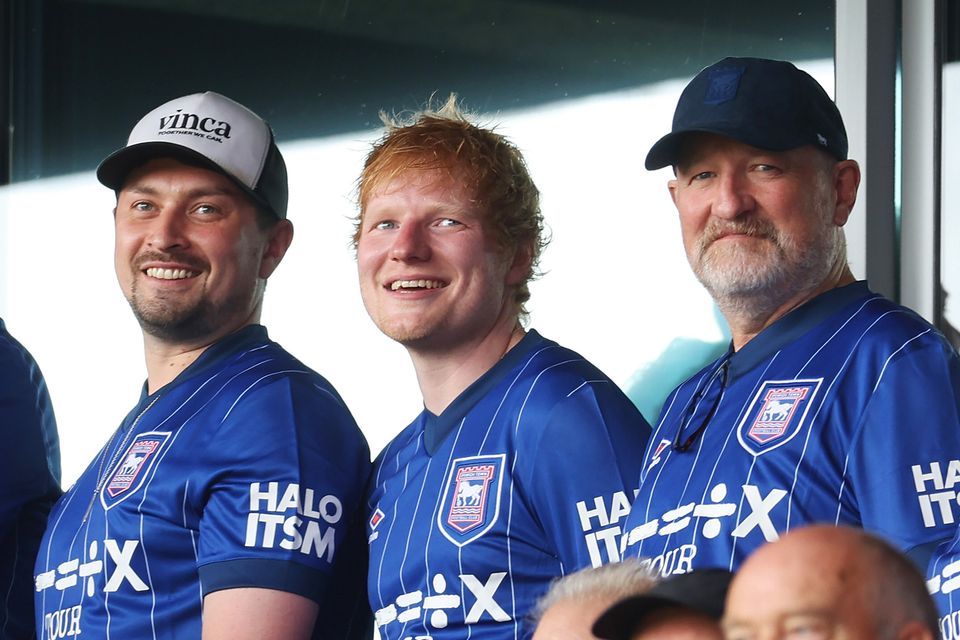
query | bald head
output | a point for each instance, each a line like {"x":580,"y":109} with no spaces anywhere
{"x":841,"y":582}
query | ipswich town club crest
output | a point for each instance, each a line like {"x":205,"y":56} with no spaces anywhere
{"x":132,"y":467}
{"x":776,"y":414}
{"x":471,"y":498}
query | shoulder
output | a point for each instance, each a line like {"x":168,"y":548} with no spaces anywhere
{"x":881,"y":327}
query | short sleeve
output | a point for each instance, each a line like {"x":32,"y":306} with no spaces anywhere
{"x":584,"y":472}
{"x":283,"y":479}
{"x":905,"y":464}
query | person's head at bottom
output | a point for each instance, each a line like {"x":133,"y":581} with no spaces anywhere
{"x":684,"y":607}
{"x":823,"y":582}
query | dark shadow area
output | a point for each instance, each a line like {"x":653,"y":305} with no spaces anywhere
{"x":82,"y":71}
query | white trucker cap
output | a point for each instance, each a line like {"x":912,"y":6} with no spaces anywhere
{"x":217,"y":133}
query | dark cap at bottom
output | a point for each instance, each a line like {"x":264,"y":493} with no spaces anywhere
{"x":702,"y":591}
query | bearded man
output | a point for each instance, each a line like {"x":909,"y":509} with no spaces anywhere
{"x":833,"y":404}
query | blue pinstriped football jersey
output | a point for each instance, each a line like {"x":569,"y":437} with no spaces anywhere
{"x":245,"y":471}
{"x":943,"y":574}
{"x":843,"y":411}
{"x":29,"y":480}
{"x":526,"y":476}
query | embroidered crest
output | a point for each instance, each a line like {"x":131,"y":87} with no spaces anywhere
{"x":132,"y":467}
{"x":776,"y":413}
{"x":724,"y":83}
{"x":471,"y":498}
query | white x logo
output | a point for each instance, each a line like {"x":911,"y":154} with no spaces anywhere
{"x":123,"y":570}
{"x":484,"y":594}
{"x":760,"y":514}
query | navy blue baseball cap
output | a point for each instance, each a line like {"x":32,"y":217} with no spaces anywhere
{"x":768,"y":104}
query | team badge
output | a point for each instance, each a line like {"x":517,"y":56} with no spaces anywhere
{"x":776,"y":414}
{"x":132,"y":467}
{"x":724,"y":84}
{"x":471,"y":498}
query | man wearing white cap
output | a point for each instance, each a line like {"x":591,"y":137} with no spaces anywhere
{"x":221,"y":504}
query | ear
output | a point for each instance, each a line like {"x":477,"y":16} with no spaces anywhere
{"x":520,"y":266}
{"x":846,"y":181}
{"x":278,"y":241}
{"x":672,"y":186}
{"x":914,"y":630}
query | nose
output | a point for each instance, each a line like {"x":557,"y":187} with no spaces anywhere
{"x":410,"y":243}
{"x":167,"y":231}
{"x":733,"y":197}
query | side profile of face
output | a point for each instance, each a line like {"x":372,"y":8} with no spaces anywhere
{"x":189,"y":255}
{"x":810,"y":585}
{"x":675,"y":624}
{"x":760,"y":223}
{"x":430,"y":275}
{"x":571,"y":619}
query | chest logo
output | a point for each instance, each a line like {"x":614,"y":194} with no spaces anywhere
{"x":471,"y":498}
{"x":132,"y":467}
{"x":776,"y":414}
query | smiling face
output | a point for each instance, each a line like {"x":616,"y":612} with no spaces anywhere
{"x":759,"y":224}
{"x":430,"y":275}
{"x":190,"y":257}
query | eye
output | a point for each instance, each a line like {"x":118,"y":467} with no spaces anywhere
{"x":385,"y":225}
{"x":766,"y":168}
{"x":806,"y":630}
{"x":206,"y":209}
{"x":703,"y":175}
{"x":142,"y":206}
{"x":448,"y":222}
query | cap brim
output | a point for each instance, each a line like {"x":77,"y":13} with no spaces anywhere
{"x":115,"y":168}
{"x":666,"y":151}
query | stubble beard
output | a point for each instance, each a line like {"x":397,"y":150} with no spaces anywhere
{"x":177,"y":321}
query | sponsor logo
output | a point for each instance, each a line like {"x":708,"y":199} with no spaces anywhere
{"x":376,"y":518}
{"x":655,"y":458}
{"x":117,"y":568}
{"x":600,"y":520}
{"x":292,"y":518}
{"x":436,"y":608}
{"x":64,"y":623}
{"x":133,"y":467}
{"x":776,"y":414}
{"x":472,"y":498}
{"x":710,"y":518}
{"x":193,"y":124}
{"x":937,"y":491}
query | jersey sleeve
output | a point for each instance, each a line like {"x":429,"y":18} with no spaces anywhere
{"x":905,"y":464}
{"x":285,"y":473}
{"x":584,"y":471}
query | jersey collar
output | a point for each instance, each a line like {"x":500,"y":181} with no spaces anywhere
{"x":794,"y":325}
{"x":437,"y":427}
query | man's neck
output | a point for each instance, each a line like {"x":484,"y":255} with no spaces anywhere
{"x":747,"y":320}
{"x":444,"y":374}
{"x":167,"y":359}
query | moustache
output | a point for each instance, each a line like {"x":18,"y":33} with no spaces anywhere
{"x":191,"y":262}
{"x":753,"y":228}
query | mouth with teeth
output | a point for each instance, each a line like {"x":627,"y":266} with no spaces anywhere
{"x":170,"y":274}
{"x":398,"y":285}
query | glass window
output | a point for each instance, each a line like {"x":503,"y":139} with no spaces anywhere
{"x":949,"y":170}
{"x":583,"y":87}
